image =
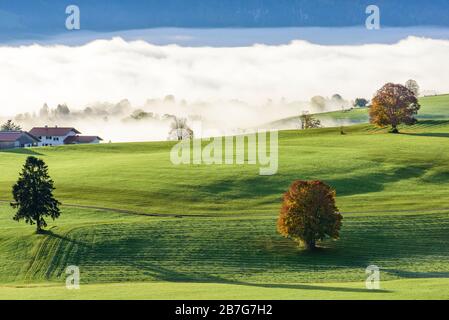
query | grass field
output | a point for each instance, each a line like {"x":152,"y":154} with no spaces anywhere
{"x":369,"y":169}
{"x":111,"y":248}
{"x":244,"y":257}
{"x":397,"y":289}
{"x":393,"y":189}
{"x":432,"y":108}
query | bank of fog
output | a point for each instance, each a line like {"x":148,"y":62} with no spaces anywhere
{"x":153,"y":121}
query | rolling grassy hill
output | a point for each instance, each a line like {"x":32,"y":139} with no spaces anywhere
{"x":432,"y":108}
{"x":236,"y":250}
{"x":370,"y":169}
{"x":157,"y":230}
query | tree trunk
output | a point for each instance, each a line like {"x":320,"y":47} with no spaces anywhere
{"x":394,"y":129}
{"x":310,"y":245}
{"x":38,"y":227}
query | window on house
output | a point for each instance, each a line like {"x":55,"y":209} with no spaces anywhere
{"x":48,"y":137}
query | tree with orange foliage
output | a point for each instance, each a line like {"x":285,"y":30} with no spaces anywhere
{"x":394,"y":104}
{"x":309,"y":214}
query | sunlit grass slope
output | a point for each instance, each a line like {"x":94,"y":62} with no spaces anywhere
{"x":397,"y":289}
{"x":112,"y":247}
{"x":369,"y":168}
{"x":394,"y":190}
{"x":432,"y":107}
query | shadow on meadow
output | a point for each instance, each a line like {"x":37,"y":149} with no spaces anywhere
{"x":156,"y":272}
{"x":311,"y":287}
{"x":375,"y":182}
{"x":417,"y":275}
{"x":429,"y":134}
{"x":275,"y":186}
{"x":234,"y":250}
{"x":24,"y":151}
{"x":64,"y":238}
{"x":246,"y":187}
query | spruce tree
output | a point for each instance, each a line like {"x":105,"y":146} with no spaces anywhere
{"x":33,"y":194}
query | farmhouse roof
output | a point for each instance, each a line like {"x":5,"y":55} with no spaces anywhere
{"x":11,"y":136}
{"x":81,"y":139}
{"x":52,"y":131}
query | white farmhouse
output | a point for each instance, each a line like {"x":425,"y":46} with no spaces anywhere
{"x":56,"y":136}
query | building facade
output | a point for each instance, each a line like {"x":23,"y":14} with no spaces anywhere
{"x":56,"y":136}
{"x":53,"y":136}
{"x":82,"y":140}
{"x":17,"y":139}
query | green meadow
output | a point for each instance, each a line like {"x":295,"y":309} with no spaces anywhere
{"x":397,"y":289}
{"x":140,"y":227}
{"x":432,"y":108}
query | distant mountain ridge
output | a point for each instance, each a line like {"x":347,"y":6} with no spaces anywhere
{"x":24,"y":17}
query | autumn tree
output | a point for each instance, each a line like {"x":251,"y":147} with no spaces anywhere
{"x":309,"y":213}
{"x":413,"y":86}
{"x":394,"y":104}
{"x":33,"y":194}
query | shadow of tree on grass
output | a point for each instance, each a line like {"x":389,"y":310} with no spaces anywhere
{"x":429,"y":134}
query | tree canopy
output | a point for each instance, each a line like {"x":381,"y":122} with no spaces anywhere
{"x":413,"y":86}
{"x":360,"y":102}
{"x":33,"y":194}
{"x":180,"y":130}
{"x":10,"y":126}
{"x":309,"y":213}
{"x":307,"y":121}
{"x":318,"y":102}
{"x":393,"y":105}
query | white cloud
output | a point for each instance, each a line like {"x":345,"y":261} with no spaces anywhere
{"x":110,"y":70}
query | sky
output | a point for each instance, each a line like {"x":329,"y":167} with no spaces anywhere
{"x":239,"y":37}
{"x":25,"y":18}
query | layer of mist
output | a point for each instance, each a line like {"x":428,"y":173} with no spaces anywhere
{"x":123,"y":122}
{"x":219,"y":90}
